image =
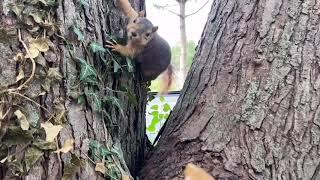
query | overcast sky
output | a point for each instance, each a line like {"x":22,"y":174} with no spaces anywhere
{"x":169,"y":23}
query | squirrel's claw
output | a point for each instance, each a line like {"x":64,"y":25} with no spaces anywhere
{"x":111,"y":45}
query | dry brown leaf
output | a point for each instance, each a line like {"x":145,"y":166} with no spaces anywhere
{"x":34,"y":52}
{"x":100,"y":168}
{"x":20,"y":75}
{"x":125,"y":177}
{"x":52,"y":131}
{"x":67,"y":146}
{"x":36,"y":18}
{"x":1,"y":113}
{"x":193,"y":172}
{"x":53,"y":73}
{"x":19,"y":57}
{"x":24,"y":123}
{"x":5,"y":159}
{"x":42,"y":94}
{"x":40,"y":43}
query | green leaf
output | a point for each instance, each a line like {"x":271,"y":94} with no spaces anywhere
{"x":98,"y":151}
{"x":114,"y":101}
{"x":116,"y":66}
{"x":44,"y":145}
{"x":162,"y":99}
{"x":88,"y":72}
{"x":16,"y":167}
{"x":166,"y":107}
{"x":130,"y":94}
{"x":155,"y":113}
{"x":151,"y":97}
{"x":151,"y":128}
{"x":116,"y":149}
{"x":44,"y":2}
{"x":155,"y":121}
{"x":54,"y":74}
{"x":97,"y":47}
{"x":71,"y":168}
{"x":129,"y":64}
{"x":16,"y":136}
{"x":16,"y":8}
{"x":84,"y":3}
{"x":96,"y":99}
{"x":46,"y":84}
{"x":32,"y":155}
{"x":37,"y":17}
{"x":132,"y":98}
{"x":81,"y":99}
{"x":79,"y":34}
{"x":154,"y":107}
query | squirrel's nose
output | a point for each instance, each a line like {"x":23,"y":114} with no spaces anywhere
{"x":134,"y":34}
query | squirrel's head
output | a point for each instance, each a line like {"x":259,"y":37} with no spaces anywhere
{"x":141,"y":31}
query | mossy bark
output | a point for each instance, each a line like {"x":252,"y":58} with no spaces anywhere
{"x":249,"y":108}
{"x":81,"y":121}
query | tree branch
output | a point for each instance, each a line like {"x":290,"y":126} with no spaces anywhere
{"x":197,"y":10}
{"x":165,"y":8}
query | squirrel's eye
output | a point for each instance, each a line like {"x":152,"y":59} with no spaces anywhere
{"x":148,"y":34}
{"x":134,"y":21}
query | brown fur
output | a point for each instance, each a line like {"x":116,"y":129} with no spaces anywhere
{"x":144,"y":44}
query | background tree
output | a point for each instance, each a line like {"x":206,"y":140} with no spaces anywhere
{"x":249,"y":108}
{"x":176,"y":54}
{"x":175,"y":60}
{"x":183,"y":35}
{"x":61,"y":89}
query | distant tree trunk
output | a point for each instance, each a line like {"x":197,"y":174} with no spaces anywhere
{"x":88,"y":93}
{"x":249,"y":108}
{"x":183,"y":39}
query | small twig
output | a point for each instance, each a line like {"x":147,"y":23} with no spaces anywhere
{"x":164,"y":8}
{"x":17,"y":152}
{"x":32,"y":61}
{"x":5,"y":114}
{"x":113,"y":90}
{"x":89,"y":158}
{"x":58,"y":156}
{"x":39,"y":105}
{"x":44,"y":33}
{"x":195,"y":12}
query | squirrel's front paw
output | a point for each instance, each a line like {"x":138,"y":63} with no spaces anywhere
{"x":113,"y":46}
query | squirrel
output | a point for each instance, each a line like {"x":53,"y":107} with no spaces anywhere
{"x":150,"y":50}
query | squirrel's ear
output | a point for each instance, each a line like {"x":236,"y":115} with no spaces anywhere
{"x":142,"y":13}
{"x":155,"y":28}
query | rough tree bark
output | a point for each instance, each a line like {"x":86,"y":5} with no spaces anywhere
{"x":75,"y":25}
{"x":250,"y":105}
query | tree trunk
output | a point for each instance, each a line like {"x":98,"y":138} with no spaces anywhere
{"x":249,"y":108}
{"x":76,"y":83}
{"x":183,"y":39}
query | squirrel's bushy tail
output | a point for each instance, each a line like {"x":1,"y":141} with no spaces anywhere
{"x":167,"y":80}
